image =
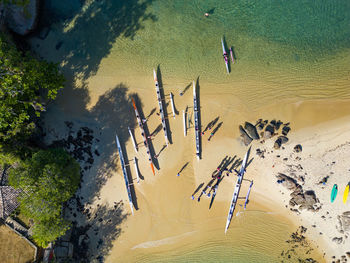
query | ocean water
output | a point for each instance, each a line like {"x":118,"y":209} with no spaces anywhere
{"x":284,"y":50}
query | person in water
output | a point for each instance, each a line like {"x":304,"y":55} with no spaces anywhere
{"x":206,"y":14}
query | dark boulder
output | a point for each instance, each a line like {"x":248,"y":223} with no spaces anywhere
{"x":277,"y":144}
{"x":278,"y":124}
{"x":285,"y":130}
{"x":269,"y":131}
{"x":283,"y":139}
{"x":298,"y":148}
{"x":251,"y":130}
{"x":288,"y":182}
{"x":246,"y":138}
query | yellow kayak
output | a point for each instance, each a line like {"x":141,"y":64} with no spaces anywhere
{"x":346,"y":193}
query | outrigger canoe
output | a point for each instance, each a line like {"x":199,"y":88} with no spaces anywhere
{"x":124,"y":173}
{"x":225,"y":55}
{"x":334,"y":192}
{"x":196,"y":120}
{"x":346,"y":194}
{"x":139,"y":121}
{"x":236,"y":190}
{"x":160,"y":103}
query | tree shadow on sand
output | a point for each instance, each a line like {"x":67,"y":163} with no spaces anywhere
{"x":96,"y":223}
{"x":86,"y":30}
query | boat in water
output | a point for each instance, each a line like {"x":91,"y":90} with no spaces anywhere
{"x":124,"y":173}
{"x":225,"y":55}
{"x":232,"y":57}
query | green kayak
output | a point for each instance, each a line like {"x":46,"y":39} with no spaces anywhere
{"x":334,"y":192}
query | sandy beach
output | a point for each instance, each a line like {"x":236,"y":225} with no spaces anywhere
{"x":167,"y":218}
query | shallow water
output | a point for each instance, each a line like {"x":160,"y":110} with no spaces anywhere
{"x":285,"y":50}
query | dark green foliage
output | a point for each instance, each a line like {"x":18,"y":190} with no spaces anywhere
{"x":26,"y":84}
{"x":48,"y":179}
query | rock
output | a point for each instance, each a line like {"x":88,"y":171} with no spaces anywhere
{"x":285,"y":130}
{"x":344,"y":221}
{"x":278,"y":124}
{"x":337,"y":240}
{"x":21,"y":19}
{"x":269,"y":131}
{"x":284,"y":139}
{"x":298,"y":148}
{"x":277,"y":144}
{"x":310,"y":197}
{"x":287,"y":181}
{"x":246,"y":138}
{"x":260,"y":126}
{"x":251,"y":130}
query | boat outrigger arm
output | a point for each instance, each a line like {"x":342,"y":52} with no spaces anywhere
{"x":236,"y":190}
{"x":143,"y":135}
{"x":161,"y":110}
{"x":247,"y":197}
{"x":196,"y":120}
{"x":124,"y":173}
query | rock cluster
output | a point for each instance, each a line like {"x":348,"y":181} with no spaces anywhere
{"x":79,"y":146}
{"x":267,"y":130}
{"x":299,"y":198}
{"x":344,"y":222}
{"x":297,"y":243}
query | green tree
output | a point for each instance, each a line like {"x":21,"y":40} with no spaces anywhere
{"x":26,"y":84}
{"x":48,"y":179}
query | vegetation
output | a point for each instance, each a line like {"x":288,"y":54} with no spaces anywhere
{"x":48,"y":179}
{"x":26,"y":84}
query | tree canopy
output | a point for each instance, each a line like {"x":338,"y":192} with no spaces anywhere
{"x":48,"y":179}
{"x":26,"y":84}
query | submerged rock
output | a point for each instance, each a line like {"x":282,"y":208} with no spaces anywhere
{"x":251,"y":130}
{"x":246,"y":138}
{"x":21,"y":19}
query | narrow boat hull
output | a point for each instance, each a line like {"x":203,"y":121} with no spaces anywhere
{"x":346,"y":194}
{"x":334,"y":192}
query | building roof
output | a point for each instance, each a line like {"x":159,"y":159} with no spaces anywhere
{"x":8,"y":195}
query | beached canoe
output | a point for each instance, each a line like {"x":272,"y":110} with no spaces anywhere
{"x":236,"y":190}
{"x":161,"y":110}
{"x":334,"y":192}
{"x":346,"y":194}
{"x":121,"y":157}
{"x":196,"y":120}
{"x":225,"y":55}
{"x":145,"y":142}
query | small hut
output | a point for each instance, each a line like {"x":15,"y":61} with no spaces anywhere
{"x":8,"y":195}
